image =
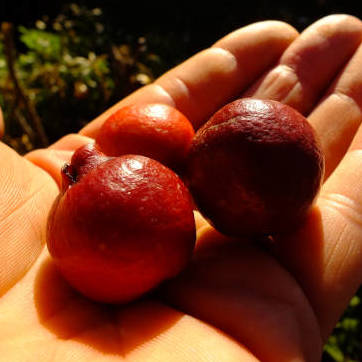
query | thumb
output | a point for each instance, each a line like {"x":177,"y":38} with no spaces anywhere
{"x":1,"y":124}
{"x":26,"y":195}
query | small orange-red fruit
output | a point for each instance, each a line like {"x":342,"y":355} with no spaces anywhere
{"x":157,"y":131}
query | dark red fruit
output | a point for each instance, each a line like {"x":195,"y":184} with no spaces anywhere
{"x":120,"y":225}
{"x":85,"y":159}
{"x":157,"y":131}
{"x":255,"y":168}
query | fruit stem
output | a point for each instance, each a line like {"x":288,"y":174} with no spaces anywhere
{"x":69,"y":176}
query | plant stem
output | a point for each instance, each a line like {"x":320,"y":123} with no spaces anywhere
{"x":9,"y":50}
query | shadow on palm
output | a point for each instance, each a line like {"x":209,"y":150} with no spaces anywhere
{"x":244,"y":287}
{"x":111,"y":329}
{"x":234,"y":285}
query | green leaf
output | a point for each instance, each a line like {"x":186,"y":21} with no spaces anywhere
{"x":47,"y":45}
{"x":334,"y":352}
{"x":350,"y":324}
{"x":355,"y":301}
{"x":27,"y":60}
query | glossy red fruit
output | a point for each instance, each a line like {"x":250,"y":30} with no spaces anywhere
{"x":157,"y":131}
{"x":255,"y":168}
{"x":120,"y":226}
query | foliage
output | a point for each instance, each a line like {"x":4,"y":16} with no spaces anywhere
{"x":70,"y":70}
{"x":345,"y":344}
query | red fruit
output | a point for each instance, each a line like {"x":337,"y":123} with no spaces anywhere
{"x":84,"y":160}
{"x":120,"y":225}
{"x":157,"y":131}
{"x":255,"y":168}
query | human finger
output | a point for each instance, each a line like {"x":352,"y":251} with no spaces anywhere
{"x":1,"y":123}
{"x":203,"y":83}
{"x":339,"y":114}
{"x":26,"y":196}
{"x":325,"y":255}
{"x":310,"y":63}
{"x":53,"y":158}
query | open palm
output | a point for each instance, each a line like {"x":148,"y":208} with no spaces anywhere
{"x":238,"y":300}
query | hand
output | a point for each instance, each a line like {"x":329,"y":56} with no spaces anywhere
{"x":237,"y":301}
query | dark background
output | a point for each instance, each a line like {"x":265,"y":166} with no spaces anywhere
{"x":192,"y":25}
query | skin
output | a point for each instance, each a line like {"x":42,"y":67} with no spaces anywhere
{"x":236,"y":301}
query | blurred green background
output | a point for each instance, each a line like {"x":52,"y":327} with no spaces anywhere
{"x":62,"y":64}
